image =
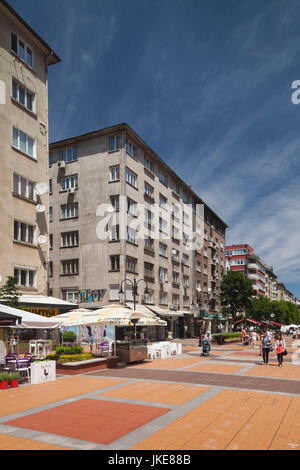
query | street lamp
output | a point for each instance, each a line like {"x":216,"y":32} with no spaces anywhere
{"x":134,"y":284}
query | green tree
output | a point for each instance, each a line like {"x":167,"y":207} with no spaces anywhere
{"x":236,"y":294}
{"x":261,"y":309}
{"x":9,"y":293}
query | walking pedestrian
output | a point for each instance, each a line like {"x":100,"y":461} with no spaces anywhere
{"x":91,"y":343}
{"x":208,"y":337}
{"x":253,"y":338}
{"x":266,"y":347}
{"x":280,"y":348}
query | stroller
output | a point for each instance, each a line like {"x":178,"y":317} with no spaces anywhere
{"x":205,"y":347}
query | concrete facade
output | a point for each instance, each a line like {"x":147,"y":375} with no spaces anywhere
{"x":115,"y":162}
{"x":24,"y":60}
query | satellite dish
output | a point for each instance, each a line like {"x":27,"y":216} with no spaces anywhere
{"x":40,"y":208}
{"x":42,"y":239}
{"x":41,"y":188}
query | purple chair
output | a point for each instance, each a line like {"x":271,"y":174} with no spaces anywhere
{"x":23,"y":365}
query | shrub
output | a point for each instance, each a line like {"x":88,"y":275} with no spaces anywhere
{"x":69,"y":336}
{"x":13,"y":375}
{"x":66,"y":350}
{"x":4,"y":376}
{"x":226,"y":335}
{"x":75,"y":357}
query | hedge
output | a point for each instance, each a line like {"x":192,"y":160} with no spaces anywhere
{"x":226,"y":335}
{"x":75,"y":357}
{"x":66,"y":350}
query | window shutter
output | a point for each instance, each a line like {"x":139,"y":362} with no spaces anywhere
{"x":14,"y":43}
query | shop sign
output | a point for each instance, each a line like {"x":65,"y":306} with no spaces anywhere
{"x":44,"y":312}
{"x":88,"y":295}
{"x":7,"y":322}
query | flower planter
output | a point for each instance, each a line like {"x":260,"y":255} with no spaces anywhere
{"x":14,"y":383}
{"x":3,"y":385}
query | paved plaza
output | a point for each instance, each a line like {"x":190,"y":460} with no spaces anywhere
{"x":227,"y":401}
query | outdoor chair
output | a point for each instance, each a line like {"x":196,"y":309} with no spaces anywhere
{"x":104,"y":347}
{"x":23,"y":367}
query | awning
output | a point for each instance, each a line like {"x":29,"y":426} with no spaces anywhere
{"x":164,"y":312}
{"x":45,"y":300}
{"x":250,"y":320}
{"x":29,"y":320}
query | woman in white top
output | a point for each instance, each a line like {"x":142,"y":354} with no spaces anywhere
{"x":279,"y":348}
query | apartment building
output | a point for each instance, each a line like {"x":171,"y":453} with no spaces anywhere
{"x":117,"y":213}
{"x":242,"y":258}
{"x":24,"y":198}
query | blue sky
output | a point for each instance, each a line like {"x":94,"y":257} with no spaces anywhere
{"x":207,"y":84}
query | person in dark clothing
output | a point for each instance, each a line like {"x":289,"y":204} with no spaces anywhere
{"x":266,"y":347}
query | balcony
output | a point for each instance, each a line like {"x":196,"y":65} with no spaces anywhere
{"x":253,"y":277}
{"x":252,"y":266}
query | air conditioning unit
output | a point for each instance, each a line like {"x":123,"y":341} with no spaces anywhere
{"x":61,"y":164}
{"x":71,"y":190}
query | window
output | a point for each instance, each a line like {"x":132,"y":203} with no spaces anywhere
{"x":175,"y":188}
{"x":114,"y":173}
{"x":162,"y":249}
{"x":175,"y":277}
{"x":26,"y":277}
{"x":148,"y":163}
{"x":163,"y":225}
{"x":23,"y":187}
{"x":163,"y":201}
{"x":131,"y":207}
{"x":23,"y":142}
{"x":185,"y":219}
{"x":185,"y":259}
{"x":50,"y":214}
{"x":69,"y":182}
{"x":50,"y":268}
{"x":148,"y":298}
{"x":114,"y":293}
{"x":163,"y":274}
{"x":22,"y":50}
{"x":149,"y":190}
{"x":149,"y":244}
{"x":115,"y":203}
{"x":69,"y":210}
{"x":198,"y":285}
{"x":23,"y":96}
{"x":185,"y":197}
{"x":185,"y":239}
{"x":185,"y":281}
{"x":198,"y":266}
{"x":50,"y":241}
{"x":163,"y":298}
{"x":69,"y":239}
{"x":70,"y":295}
{"x":175,"y":300}
{"x":130,"y":148}
{"x":115,"y":262}
{"x":163,"y":178}
{"x":175,"y":232}
{"x":70,"y":267}
{"x":24,"y":232}
{"x":50,"y":187}
{"x":175,"y":254}
{"x":69,"y":155}
{"x":50,"y":160}
{"x":131,"y":235}
{"x":186,"y":301}
{"x":114,"y":143}
{"x":131,"y":178}
{"x":148,"y":269}
{"x":114,"y":233}
{"x":131,"y":264}
{"x":148,"y":218}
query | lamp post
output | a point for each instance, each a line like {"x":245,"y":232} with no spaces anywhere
{"x":134,"y":284}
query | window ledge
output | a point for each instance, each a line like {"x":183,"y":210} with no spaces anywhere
{"x":25,"y":154}
{"x":24,"y":198}
{"x":23,"y":62}
{"x":30,"y":245}
{"x":73,"y":274}
{"x":64,"y":247}
{"x":68,"y":218}
{"x":114,"y":181}
{"x":23,"y":107}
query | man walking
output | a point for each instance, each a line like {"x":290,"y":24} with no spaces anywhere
{"x":266,"y":347}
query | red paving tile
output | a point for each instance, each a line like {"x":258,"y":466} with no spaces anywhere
{"x":90,"y":420}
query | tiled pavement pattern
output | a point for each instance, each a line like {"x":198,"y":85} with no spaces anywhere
{"x":229,"y":400}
